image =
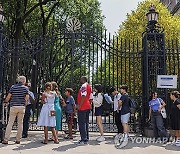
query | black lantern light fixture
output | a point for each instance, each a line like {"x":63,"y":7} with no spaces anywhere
{"x":152,"y":15}
{"x":152,"y":18}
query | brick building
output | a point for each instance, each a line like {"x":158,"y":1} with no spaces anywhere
{"x":172,"y":5}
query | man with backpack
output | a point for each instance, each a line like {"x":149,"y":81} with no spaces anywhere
{"x":124,"y":105}
{"x":117,"y":111}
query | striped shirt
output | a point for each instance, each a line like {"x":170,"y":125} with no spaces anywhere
{"x":19,"y":93}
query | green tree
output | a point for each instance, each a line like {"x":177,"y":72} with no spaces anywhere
{"x":135,"y":24}
{"x":25,"y":17}
{"x":28,"y":18}
{"x":125,"y":64}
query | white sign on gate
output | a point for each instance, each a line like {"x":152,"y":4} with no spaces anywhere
{"x":167,"y":81}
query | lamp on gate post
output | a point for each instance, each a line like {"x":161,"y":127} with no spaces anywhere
{"x":73,"y":25}
{"x":153,"y":59}
{"x":152,"y":18}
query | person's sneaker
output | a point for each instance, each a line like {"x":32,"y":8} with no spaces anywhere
{"x":17,"y":142}
{"x":86,"y":142}
{"x":125,"y":139}
{"x":177,"y":144}
{"x":80,"y":142}
{"x":122,"y":145}
{"x":24,"y":136}
{"x":122,"y":137}
{"x":68,"y":137}
{"x":4,"y":142}
{"x":100,"y":139}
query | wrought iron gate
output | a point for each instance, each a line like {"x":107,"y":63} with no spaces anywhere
{"x":64,"y":56}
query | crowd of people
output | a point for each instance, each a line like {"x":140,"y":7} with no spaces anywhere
{"x":21,"y":100}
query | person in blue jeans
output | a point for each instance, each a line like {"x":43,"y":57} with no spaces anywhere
{"x":84,"y":107}
{"x":28,"y":111}
{"x":156,"y":104}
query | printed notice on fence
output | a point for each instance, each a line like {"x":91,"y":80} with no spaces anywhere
{"x":167,"y":81}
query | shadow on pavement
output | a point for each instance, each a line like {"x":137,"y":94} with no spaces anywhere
{"x":94,"y":142}
{"x":172,"y":147}
{"x":109,"y":140}
{"x":73,"y":145}
{"x":65,"y":147}
{"x":31,"y":145}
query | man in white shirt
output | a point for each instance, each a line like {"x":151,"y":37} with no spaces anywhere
{"x":117,"y":115}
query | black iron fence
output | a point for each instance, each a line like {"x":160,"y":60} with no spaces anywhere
{"x":64,"y":56}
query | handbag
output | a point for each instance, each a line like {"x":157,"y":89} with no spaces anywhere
{"x":52,"y":113}
{"x":163,"y":111}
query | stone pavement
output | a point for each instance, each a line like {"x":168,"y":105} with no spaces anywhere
{"x":33,"y":145}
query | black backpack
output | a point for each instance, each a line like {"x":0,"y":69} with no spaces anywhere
{"x":133,"y":105}
{"x":106,"y":107}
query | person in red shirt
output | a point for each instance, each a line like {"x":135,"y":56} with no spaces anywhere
{"x":84,"y":107}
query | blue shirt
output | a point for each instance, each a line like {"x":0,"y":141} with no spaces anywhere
{"x":69,"y":104}
{"x":30,"y":95}
{"x":155,"y":104}
{"x":108,"y":98}
{"x":125,"y":104}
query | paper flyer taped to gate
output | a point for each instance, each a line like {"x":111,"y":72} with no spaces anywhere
{"x":167,"y":81}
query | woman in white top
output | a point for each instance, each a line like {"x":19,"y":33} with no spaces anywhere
{"x":46,"y":119}
{"x":97,"y":101}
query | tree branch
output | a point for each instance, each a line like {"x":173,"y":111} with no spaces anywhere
{"x":35,"y":6}
{"x":52,"y":9}
{"x":43,"y":17}
{"x":25,"y":5}
{"x":42,"y":11}
{"x":25,"y":33}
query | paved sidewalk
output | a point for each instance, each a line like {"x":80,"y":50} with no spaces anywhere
{"x":33,"y":145}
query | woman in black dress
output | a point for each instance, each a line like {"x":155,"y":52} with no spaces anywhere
{"x":175,"y":115}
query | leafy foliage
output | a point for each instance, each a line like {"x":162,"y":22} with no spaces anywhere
{"x":35,"y":20}
{"x":25,"y":18}
{"x":135,"y":24}
{"x":125,"y":62}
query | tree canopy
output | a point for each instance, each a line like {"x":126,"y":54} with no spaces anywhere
{"x":136,"y":22}
{"x":26,"y":17}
